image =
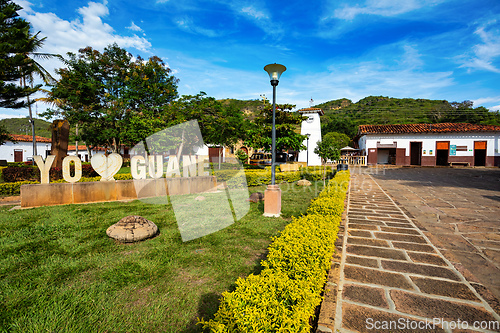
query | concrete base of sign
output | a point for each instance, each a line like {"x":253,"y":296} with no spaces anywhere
{"x":272,"y":201}
{"x":36,"y":195}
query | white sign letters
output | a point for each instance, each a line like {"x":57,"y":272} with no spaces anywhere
{"x":108,"y":166}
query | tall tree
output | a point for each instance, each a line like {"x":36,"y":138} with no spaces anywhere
{"x":329,"y":147}
{"x":15,"y":41}
{"x":220,"y":125}
{"x":18,"y":51}
{"x":4,"y":135}
{"x":287,"y":129}
{"x":114,"y":98}
{"x":31,"y":55}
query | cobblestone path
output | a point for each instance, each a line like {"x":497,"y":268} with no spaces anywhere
{"x":391,"y":278}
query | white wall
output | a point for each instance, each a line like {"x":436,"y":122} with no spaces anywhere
{"x":311,"y":126}
{"x":429,"y":142}
{"x":7,"y":150}
{"x":81,"y":152}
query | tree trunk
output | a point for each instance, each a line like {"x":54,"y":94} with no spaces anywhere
{"x":32,"y":122}
{"x":76,"y":141}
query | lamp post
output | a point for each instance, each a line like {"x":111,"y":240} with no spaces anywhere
{"x":272,"y":195}
{"x":307,"y":138}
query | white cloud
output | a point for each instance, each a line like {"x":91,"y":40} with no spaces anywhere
{"x":65,"y":36}
{"x":89,"y":30}
{"x":487,"y":52}
{"x":488,"y":102}
{"x":187,"y":24}
{"x":12,"y":114}
{"x":354,"y":79}
{"x":251,"y":11}
{"x":258,"y":14}
{"x":135,"y":27}
{"x":381,"y":8}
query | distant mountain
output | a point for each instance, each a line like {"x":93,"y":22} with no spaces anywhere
{"x":23,"y":126}
{"x":250,"y":108}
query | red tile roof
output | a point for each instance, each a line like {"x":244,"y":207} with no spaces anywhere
{"x":29,"y":138}
{"x":311,"y":110}
{"x":426,"y":128}
{"x":80,"y":147}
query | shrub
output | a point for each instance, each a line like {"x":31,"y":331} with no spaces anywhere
{"x":16,"y":173}
{"x":284,"y":296}
{"x":13,"y":188}
{"x":242,"y":156}
{"x":263,"y":177}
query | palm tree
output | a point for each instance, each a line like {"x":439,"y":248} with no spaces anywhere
{"x":34,"y":67}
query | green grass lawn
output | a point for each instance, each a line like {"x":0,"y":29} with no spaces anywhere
{"x":124,"y":170}
{"x":59,"y":271}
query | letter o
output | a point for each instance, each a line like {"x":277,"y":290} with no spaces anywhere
{"x":66,"y":169}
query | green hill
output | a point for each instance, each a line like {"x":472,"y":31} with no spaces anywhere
{"x":344,"y":116}
{"x":250,"y":108}
{"x":23,"y":126}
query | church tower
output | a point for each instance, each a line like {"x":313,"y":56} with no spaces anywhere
{"x":312,"y":127}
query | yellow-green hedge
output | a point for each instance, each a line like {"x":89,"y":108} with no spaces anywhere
{"x":263,"y":177}
{"x":284,"y":296}
{"x":13,"y":188}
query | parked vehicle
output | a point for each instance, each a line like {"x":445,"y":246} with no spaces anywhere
{"x":261,"y":159}
{"x":266,"y":158}
{"x":281,"y":157}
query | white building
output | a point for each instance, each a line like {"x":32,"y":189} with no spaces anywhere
{"x":312,"y":128}
{"x":430,"y":144}
{"x":22,"y":148}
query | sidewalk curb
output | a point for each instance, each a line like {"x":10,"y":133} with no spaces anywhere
{"x":326,"y":317}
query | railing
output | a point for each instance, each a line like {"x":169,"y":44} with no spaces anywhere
{"x":354,"y":160}
{"x":351,"y":160}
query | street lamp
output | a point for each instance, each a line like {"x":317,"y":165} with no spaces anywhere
{"x":272,"y":196}
{"x":307,"y":138}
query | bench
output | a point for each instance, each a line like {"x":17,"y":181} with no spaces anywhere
{"x":459,"y":163}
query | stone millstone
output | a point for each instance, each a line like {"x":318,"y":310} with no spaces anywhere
{"x":132,"y":229}
{"x":304,"y":182}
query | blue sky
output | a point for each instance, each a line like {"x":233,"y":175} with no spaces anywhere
{"x":435,"y":49}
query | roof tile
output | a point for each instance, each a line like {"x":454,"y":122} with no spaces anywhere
{"x":426,"y":128}
{"x":29,"y":138}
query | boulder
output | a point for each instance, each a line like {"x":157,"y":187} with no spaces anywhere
{"x":304,"y":182}
{"x":256,"y":197}
{"x":132,"y":229}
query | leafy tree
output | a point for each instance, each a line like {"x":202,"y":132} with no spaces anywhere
{"x":15,"y":42}
{"x":329,"y":147}
{"x":114,"y":98}
{"x":287,"y":129}
{"x":220,"y":125}
{"x":4,"y":135}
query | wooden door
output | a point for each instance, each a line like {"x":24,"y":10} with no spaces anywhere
{"x":479,"y":153}
{"x":18,"y":155}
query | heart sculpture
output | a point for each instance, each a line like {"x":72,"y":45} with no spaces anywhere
{"x":106,"y":166}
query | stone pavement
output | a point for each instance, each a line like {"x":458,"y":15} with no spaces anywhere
{"x":458,"y":210}
{"x":391,"y":278}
